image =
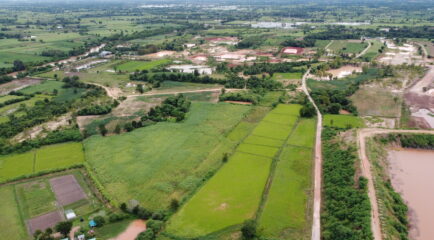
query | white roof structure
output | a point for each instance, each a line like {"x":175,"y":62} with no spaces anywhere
{"x":70,"y":214}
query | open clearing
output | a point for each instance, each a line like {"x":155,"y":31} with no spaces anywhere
{"x":43,"y":159}
{"x":11,"y":225}
{"x":343,"y":121}
{"x":347,"y":46}
{"x":234,"y":193}
{"x":167,"y":160}
{"x":132,"y":66}
{"x":367,"y":100}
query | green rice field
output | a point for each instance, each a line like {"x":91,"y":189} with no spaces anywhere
{"x":234,"y":193}
{"x":43,"y":159}
{"x":286,"y":213}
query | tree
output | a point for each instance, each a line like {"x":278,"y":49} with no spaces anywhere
{"x":102,"y":129}
{"x":123,"y":205}
{"x":18,"y":65}
{"x":139,"y":88}
{"x":118,"y":129}
{"x":249,"y":229}
{"x":146,"y":235}
{"x":307,"y":111}
{"x":174,"y":204}
{"x":64,"y":227}
{"x":99,"y":220}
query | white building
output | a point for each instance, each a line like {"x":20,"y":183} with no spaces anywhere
{"x":201,"y":69}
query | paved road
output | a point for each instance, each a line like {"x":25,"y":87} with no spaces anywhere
{"x":362,"y":134}
{"x":316,"y":222}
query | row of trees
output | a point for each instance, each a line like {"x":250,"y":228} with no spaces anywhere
{"x":347,"y":211}
{"x":157,"y":78}
{"x":97,"y":109}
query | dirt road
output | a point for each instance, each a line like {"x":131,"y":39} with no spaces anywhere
{"x":364,"y":50}
{"x":366,"y":171}
{"x":316,"y":222}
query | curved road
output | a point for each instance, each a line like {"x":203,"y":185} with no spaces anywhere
{"x":316,"y":223}
{"x":364,"y":50}
{"x":362,"y":134}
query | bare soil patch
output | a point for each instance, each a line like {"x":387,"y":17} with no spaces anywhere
{"x":16,"y":85}
{"x":132,"y":231}
{"x":45,"y":221}
{"x":67,"y":189}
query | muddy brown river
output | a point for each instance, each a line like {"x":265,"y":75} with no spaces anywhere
{"x":412,"y":175}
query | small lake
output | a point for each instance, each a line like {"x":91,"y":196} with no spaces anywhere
{"x":412,"y":175}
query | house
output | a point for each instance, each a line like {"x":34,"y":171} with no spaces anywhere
{"x":191,"y":69}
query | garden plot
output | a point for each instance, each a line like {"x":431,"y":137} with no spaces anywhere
{"x":45,"y":221}
{"x":67,"y":189}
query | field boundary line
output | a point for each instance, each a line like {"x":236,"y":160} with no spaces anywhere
{"x":20,"y":213}
{"x":273,"y":168}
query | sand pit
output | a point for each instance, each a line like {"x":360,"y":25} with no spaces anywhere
{"x":45,"y":221}
{"x":67,"y":189}
{"x":134,"y":229}
{"x":344,"y":71}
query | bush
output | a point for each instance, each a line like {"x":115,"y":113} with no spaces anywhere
{"x":249,"y":229}
{"x":99,"y":220}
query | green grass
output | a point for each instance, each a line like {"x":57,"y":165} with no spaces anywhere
{"x":35,"y":198}
{"x":132,"y":66}
{"x":287,"y":76}
{"x":304,"y":133}
{"x":229,"y":197}
{"x":285,"y":210}
{"x":343,"y":121}
{"x":11,"y":224}
{"x":4,"y":111}
{"x":372,"y":52}
{"x":234,"y":193}
{"x":167,"y":160}
{"x":58,"y":156}
{"x":347,"y":47}
{"x":8,"y":97}
{"x":46,"y":87}
{"x":321,"y":43}
{"x":270,"y":98}
{"x":46,"y":158}
{"x":111,"y":230}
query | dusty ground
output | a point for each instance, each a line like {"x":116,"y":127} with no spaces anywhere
{"x":16,"y":85}
{"x":134,"y":229}
{"x":66,"y":189}
{"x":40,"y":130}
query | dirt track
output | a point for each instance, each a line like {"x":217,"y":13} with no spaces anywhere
{"x":316,"y":222}
{"x":366,"y":171}
{"x":132,"y":231}
{"x":364,"y":50}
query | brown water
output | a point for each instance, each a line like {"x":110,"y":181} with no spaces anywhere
{"x":412,"y":175}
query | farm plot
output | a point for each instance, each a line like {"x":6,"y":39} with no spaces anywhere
{"x":167,"y":160}
{"x":43,"y":159}
{"x":285,"y":213}
{"x":132,"y":66}
{"x":288,"y":78}
{"x":347,"y":46}
{"x":234,"y":193}
{"x":343,"y":121}
{"x":39,"y":203}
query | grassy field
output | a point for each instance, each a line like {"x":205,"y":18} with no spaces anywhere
{"x":285,"y":213}
{"x":46,"y":87}
{"x":343,"y":121}
{"x":376,"y":102}
{"x":167,"y":160}
{"x":347,"y":47}
{"x":234,"y":193}
{"x":288,"y":76}
{"x":8,"y":97}
{"x":372,"y":52}
{"x":11,"y":224}
{"x":132,"y":66}
{"x":42,"y":159}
